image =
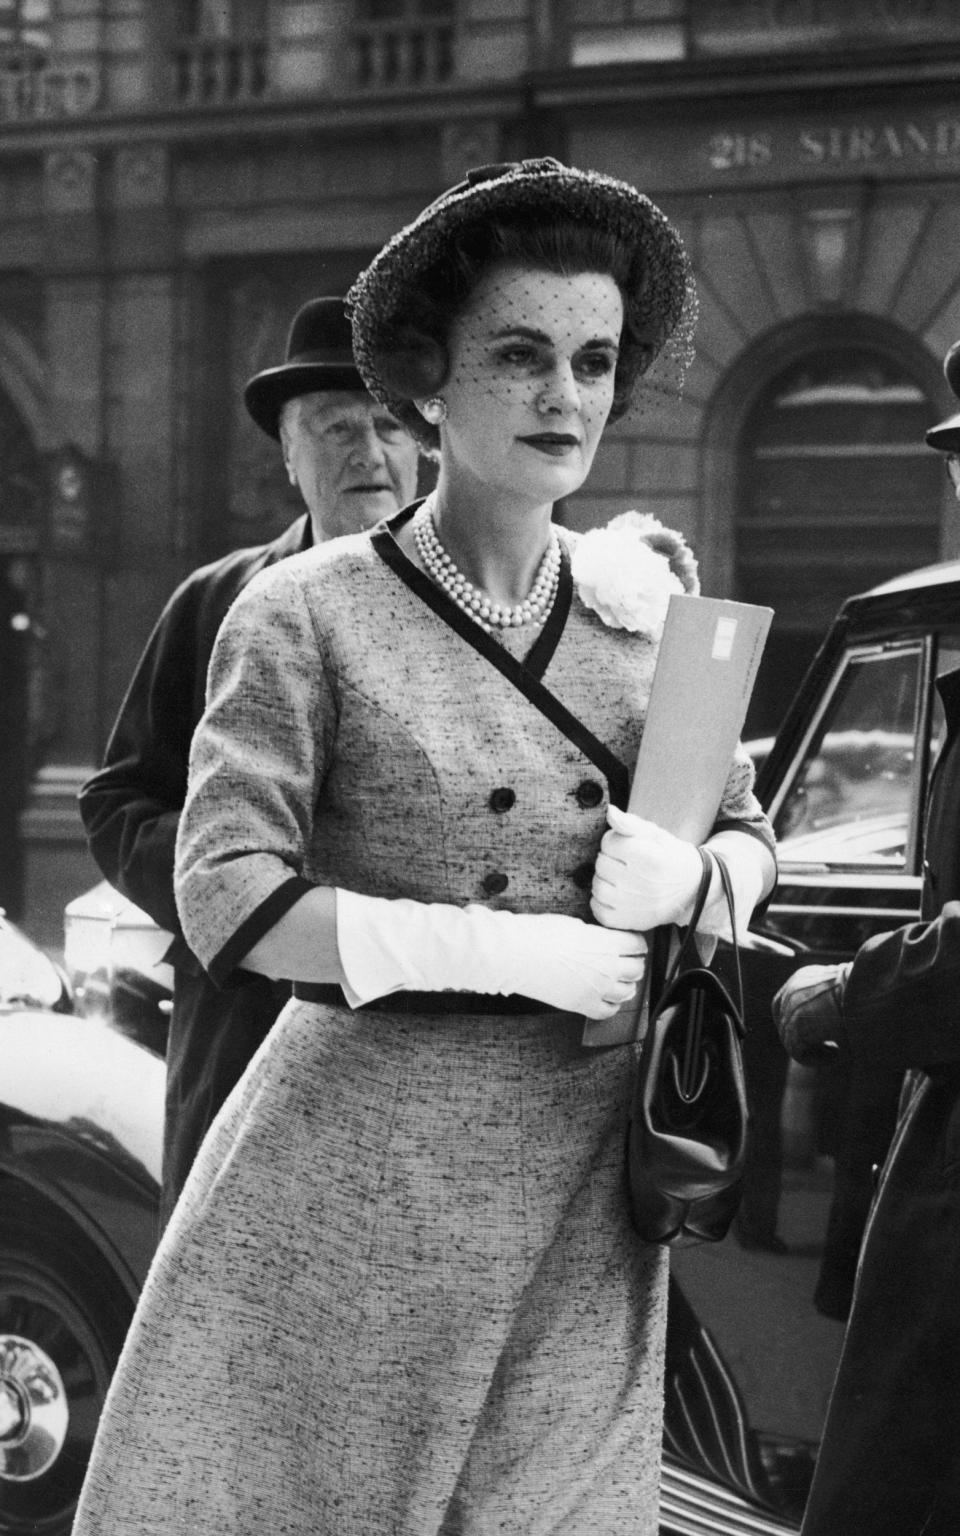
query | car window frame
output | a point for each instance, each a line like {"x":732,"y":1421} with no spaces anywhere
{"x":853,"y":653}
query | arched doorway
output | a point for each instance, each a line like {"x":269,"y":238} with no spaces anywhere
{"x":21,"y":486}
{"x":818,"y":482}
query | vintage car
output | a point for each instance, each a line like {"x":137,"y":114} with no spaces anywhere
{"x":756,"y":1322}
{"x":80,"y":1135}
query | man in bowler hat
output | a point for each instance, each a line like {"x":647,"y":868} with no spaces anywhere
{"x":354,"y":464}
{"x":889,"y":1463}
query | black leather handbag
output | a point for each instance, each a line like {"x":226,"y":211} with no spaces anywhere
{"x":687,"y":1137}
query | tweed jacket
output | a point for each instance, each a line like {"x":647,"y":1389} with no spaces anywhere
{"x":130,"y":810}
{"x":393,"y":759}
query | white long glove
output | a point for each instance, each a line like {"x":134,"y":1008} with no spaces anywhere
{"x":388,"y":946}
{"x":645,"y":876}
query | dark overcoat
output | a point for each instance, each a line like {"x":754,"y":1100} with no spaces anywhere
{"x":131,"y":810}
{"x":890,"y":1460}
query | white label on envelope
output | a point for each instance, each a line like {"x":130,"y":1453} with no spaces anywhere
{"x":723,"y":639}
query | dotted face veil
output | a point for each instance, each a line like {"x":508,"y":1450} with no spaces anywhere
{"x":412,"y":308}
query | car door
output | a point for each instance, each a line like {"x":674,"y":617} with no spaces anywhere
{"x":847,"y":801}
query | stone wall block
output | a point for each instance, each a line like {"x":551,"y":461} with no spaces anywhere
{"x":702,"y":376}
{"x":610,"y":467}
{"x":931,"y":274}
{"x":728,"y":255}
{"x":665,"y":413}
{"x":774,"y":237}
{"x":719,"y":334}
{"x":73,"y":347}
{"x":466,"y":144}
{"x":663,"y":469}
{"x":674,"y":511}
{"x":940,"y":335}
{"x":500,"y":54}
{"x":71,"y":204}
{"x":891,"y":231}
{"x":473,"y":11}
{"x":140,"y":424}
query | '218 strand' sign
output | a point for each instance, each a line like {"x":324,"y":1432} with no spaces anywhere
{"x":854,"y":147}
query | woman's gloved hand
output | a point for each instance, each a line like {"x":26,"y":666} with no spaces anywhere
{"x":643,"y":876}
{"x":390,"y":946}
{"x":753,"y":874}
{"x":808,"y":1010}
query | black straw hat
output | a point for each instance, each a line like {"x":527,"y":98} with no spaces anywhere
{"x":946,"y":434}
{"x":319,"y":356}
{"x":661,"y":291}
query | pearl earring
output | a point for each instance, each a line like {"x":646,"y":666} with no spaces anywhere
{"x":434,"y":411}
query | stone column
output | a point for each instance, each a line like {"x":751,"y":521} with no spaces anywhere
{"x":57,"y":865}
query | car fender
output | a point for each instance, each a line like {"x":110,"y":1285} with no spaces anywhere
{"x":81,"y":1121}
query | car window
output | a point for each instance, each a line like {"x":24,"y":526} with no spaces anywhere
{"x":850,"y":803}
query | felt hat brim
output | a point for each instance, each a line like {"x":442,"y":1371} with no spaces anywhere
{"x":660,"y":291}
{"x":268,"y":392}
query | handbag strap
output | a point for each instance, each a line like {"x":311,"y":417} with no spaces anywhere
{"x":681,"y":959}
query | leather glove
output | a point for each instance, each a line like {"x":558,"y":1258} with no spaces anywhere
{"x":808,"y":1010}
{"x":390,"y":946}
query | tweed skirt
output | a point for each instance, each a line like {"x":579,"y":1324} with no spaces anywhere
{"x":400,"y":1296}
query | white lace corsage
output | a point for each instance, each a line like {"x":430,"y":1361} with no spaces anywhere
{"x":627,"y":571}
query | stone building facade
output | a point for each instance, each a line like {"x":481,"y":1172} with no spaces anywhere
{"x":176,"y":179}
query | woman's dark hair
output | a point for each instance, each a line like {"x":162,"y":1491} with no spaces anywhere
{"x":414,"y":362}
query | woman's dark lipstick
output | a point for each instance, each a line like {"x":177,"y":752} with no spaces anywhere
{"x":555,"y":443}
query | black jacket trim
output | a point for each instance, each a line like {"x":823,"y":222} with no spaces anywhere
{"x":223,"y":968}
{"x":525,"y":675}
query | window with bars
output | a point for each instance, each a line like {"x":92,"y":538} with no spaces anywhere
{"x":223,"y":20}
{"x":837,"y":492}
{"x":220,"y":51}
{"x":402,"y":43}
{"x":600,"y":32}
{"x":25,"y":25}
{"x":24,"y":60}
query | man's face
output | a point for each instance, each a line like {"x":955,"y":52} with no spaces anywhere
{"x":353,"y":461}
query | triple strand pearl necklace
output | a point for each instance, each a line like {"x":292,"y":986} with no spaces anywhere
{"x":473,"y":600}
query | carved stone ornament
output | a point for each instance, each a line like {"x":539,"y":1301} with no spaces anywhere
{"x":141,"y":176}
{"x":70,"y":181}
{"x":463,"y":145}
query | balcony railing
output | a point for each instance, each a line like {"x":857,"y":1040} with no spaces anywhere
{"x":30,"y":88}
{"x":387,"y":56}
{"x":210,"y":73}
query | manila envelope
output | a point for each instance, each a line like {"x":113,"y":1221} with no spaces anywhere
{"x":705,"y":672}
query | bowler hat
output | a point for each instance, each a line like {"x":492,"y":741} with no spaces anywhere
{"x":319,"y":356}
{"x":946,"y":434}
{"x":660,"y":290}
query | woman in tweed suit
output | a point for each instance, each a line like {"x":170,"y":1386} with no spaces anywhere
{"x":401,"y":1295}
